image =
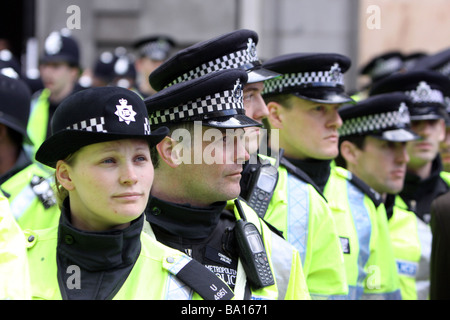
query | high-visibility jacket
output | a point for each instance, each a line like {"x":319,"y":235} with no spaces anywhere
{"x":283,"y":259}
{"x":411,"y":240}
{"x":362,"y":226}
{"x":302,"y":214}
{"x":38,"y":121}
{"x":14,"y":270}
{"x":31,"y":197}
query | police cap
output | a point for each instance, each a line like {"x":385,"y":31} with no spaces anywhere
{"x":156,"y":47}
{"x":383,"y":65}
{"x":96,"y":115}
{"x":317,"y":77}
{"x":15,"y":98}
{"x":60,"y":46}
{"x":236,"y":49}
{"x":427,"y":90}
{"x":215,"y":99}
{"x":384,"y":116}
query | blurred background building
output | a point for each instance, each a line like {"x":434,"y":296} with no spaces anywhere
{"x":360,"y":29}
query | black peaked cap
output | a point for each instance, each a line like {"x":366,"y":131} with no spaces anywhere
{"x":427,"y":90}
{"x":214,"y":99}
{"x":316,"y":77}
{"x":236,"y":49}
{"x":385,"y":116}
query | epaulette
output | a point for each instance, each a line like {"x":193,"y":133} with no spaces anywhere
{"x":361,"y":185}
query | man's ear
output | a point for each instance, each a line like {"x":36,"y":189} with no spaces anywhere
{"x":349,"y":152}
{"x":276,"y":115}
{"x":169,"y":152}
{"x":63,"y":172}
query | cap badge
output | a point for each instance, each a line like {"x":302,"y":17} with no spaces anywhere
{"x":403,"y":114}
{"x":125,"y":112}
{"x":335,"y":73}
{"x":237,"y":91}
{"x":53,"y":43}
{"x":251,"y":47}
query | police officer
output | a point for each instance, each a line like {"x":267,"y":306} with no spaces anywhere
{"x":59,"y":69}
{"x":303,"y":100}
{"x":24,"y":183}
{"x":373,"y":149}
{"x":14,"y":270}
{"x":439,"y":62}
{"x":102,"y":162}
{"x":151,"y":53}
{"x":424,"y":179}
{"x":235,"y":49}
{"x":192,"y":209}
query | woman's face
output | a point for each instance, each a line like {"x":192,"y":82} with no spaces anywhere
{"x":109,"y":183}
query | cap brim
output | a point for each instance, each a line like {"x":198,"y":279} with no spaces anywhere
{"x":66,"y":142}
{"x":261,"y":74}
{"x":231,"y":122}
{"x":321,"y":95}
{"x":398,"y":135}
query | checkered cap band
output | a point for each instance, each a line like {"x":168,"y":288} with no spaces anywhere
{"x":231,"y":61}
{"x":333,"y":77}
{"x":222,"y":101}
{"x":376,"y":122}
{"x":424,"y":93}
{"x":93,"y":125}
{"x":98,"y":125}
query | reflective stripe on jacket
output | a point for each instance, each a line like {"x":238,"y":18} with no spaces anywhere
{"x":302,"y":214}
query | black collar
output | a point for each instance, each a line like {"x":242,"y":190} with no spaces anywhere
{"x":97,"y":251}
{"x":317,"y":170}
{"x":184,"y":220}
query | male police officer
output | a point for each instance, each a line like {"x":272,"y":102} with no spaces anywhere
{"x":24,"y":183}
{"x":424,"y":179}
{"x":195,"y":180}
{"x":151,"y":53}
{"x":303,"y":106}
{"x":373,"y":149}
{"x":59,"y":71}
{"x":236,"y":49}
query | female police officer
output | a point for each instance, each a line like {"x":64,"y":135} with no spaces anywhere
{"x":100,"y":148}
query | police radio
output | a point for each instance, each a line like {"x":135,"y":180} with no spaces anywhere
{"x":263,"y":186}
{"x":252,"y":252}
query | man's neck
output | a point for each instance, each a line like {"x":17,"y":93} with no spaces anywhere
{"x":423,"y":171}
{"x":57,"y":97}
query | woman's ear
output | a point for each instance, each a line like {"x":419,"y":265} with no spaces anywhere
{"x":63,"y":172}
{"x":275,"y":116}
{"x":170,"y":152}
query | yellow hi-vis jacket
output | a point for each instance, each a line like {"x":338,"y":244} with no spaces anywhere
{"x":14,"y":270}
{"x":283,"y":258}
{"x":411,"y":240}
{"x":31,"y":198}
{"x":362,"y":226}
{"x":302,"y":214}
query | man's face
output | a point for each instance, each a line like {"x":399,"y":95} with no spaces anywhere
{"x":424,"y":150}
{"x":58,"y":76}
{"x":309,"y":129}
{"x":254,"y":104}
{"x":381,"y":164}
{"x":217,"y":175}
